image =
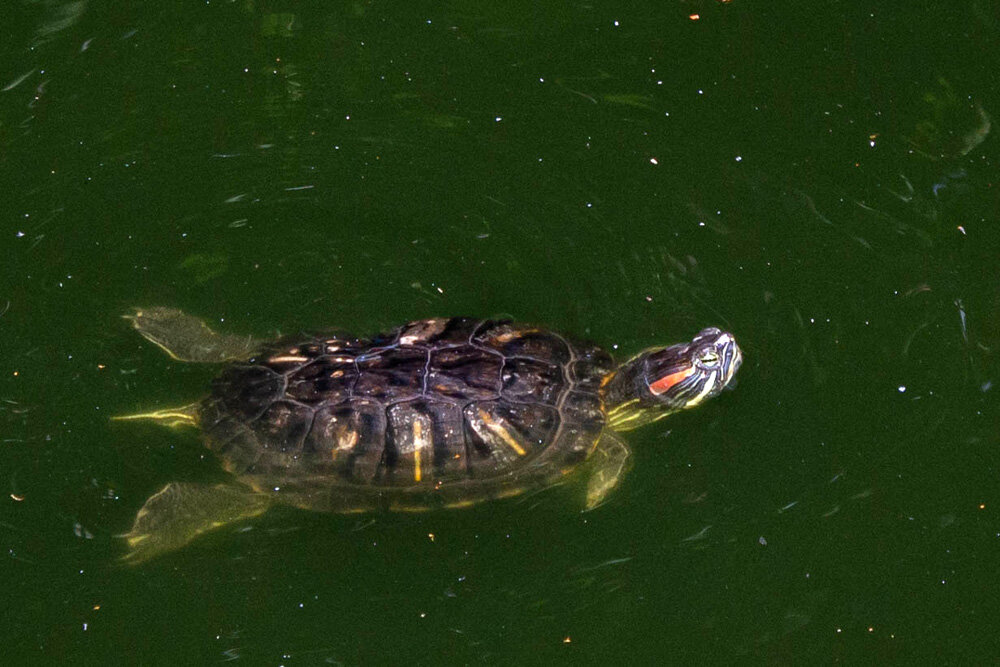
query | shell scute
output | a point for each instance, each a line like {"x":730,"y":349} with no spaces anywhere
{"x":393,"y":374}
{"x":348,"y":438}
{"x":512,"y":341}
{"x":591,"y":366}
{"x":464,"y":373}
{"x":531,"y":380}
{"x":246,"y":391}
{"x":454,"y":409}
{"x":283,"y":427}
{"x":326,"y":380}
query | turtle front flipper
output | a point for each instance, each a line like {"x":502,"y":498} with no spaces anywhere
{"x":180,"y":512}
{"x":186,"y":338}
{"x":610,"y":463}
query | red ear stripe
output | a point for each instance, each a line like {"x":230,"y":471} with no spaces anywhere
{"x":668,"y":381}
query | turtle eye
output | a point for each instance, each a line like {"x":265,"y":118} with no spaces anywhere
{"x":708,"y":356}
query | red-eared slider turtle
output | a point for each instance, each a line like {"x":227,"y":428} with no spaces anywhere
{"x":436,"y":413}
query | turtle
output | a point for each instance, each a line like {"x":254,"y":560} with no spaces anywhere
{"x":436,"y":413}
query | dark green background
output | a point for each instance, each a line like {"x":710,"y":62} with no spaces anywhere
{"x":819,"y":178}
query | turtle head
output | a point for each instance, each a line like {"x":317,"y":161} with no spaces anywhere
{"x":664,"y":380}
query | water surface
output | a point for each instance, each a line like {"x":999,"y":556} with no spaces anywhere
{"x":819,"y":180}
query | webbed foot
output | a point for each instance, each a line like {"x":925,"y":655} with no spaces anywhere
{"x":611,"y":461}
{"x":187,"y":338}
{"x":180,"y":512}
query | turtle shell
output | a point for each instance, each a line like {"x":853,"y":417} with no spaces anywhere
{"x":436,"y":412}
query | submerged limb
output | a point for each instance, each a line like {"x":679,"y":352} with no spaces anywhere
{"x":611,"y":462}
{"x":187,"y":338}
{"x":180,"y":512}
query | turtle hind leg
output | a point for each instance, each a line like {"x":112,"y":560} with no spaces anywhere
{"x":187,"y":338}
{"x":180,"y":512}
{"x":611,"y":462}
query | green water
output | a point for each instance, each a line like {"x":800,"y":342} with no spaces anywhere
{"x":821,"y":180}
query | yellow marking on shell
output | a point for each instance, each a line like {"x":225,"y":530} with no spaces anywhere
{"x":341,"y":360}
{"x":499,"y":430}
{"x":418,"y":444}
{"x":346,"y":440}
{"x":288,"y":358}
{"x":509,"y":336}
{"x":460,"y":503}
{"x":422,"y":330}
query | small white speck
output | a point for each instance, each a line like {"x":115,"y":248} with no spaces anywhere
{"x":653,"y":160}
{"x":498,"y":119}
{"x":901,"y":388}
{"x":739,"y":158}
